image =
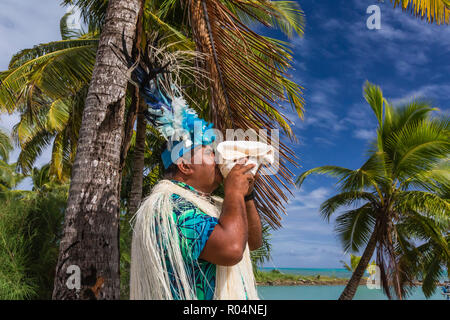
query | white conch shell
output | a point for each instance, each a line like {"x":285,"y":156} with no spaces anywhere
{"x":230,"y":152}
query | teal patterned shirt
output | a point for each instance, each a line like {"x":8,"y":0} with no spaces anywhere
{"x":194,"y":228}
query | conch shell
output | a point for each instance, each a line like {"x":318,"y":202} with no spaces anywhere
{"x":232,"y":152}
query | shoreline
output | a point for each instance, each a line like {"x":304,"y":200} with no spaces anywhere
{"x":342,"y":282}
{"x":276,"y":278}
{"x":307,"y":282}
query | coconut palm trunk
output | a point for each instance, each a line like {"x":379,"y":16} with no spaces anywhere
{"x":138,"y":161}
{"x":90,"y":241}
{"x":353,"y":283}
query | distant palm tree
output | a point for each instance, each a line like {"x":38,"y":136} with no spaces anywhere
{"x":5,"y":146}
{"x":8,"y":177}
{"x":393,"y":187}
{"x":47,"y":85}
{"x":432,"y":10}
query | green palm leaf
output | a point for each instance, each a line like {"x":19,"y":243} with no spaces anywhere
{"x":49,"y":70}
{"x":432,"y":10}
{"x":350,"y":198}
{"x":5,"y":146}
{"x":354,"y":227}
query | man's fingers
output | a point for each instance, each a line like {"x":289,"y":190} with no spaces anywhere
{"x":242,"y":168}
{"x":248,"y":167}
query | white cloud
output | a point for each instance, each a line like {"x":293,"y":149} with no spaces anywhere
{"x":305,"y":240}
{"x":364,"y":134}
{"x":428,"y":91}
{"x":323,"y":141}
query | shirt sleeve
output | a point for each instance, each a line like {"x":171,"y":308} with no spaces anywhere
{"x":194,"y":228}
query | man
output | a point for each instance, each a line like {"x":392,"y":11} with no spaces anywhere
{"x":188,"y":244}
{"x":205,"y":241}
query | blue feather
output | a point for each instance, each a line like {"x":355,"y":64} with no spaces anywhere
{"x":171,"y":115}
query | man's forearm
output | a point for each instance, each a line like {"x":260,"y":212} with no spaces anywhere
{"x":254,"y":226}
{"x":234,"y":218}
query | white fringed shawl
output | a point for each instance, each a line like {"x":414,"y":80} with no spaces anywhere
{"x":149,"y":277}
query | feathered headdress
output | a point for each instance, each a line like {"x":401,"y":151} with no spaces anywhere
{"x":169,"y":113}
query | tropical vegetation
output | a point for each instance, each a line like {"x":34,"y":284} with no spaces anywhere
{"x":48,"y":85}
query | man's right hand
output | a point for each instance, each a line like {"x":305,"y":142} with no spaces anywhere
{"x":239,"y":179}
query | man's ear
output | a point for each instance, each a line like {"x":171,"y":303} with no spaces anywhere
{"x":184,"y":167}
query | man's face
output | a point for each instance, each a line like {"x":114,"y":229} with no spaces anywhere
{"x":206,"y":172}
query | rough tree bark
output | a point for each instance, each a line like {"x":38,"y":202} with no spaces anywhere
{"x":138,"y":161}
{"x":90,"y":241}
{"x":353,"y":283}
{"x":129,"y":126}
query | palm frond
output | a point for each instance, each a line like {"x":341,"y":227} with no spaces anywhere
{"x":374,"y":97}
{"x":31,"y":150}
{"x":58,"y":115}
{"x":245,"y":72}
{"x":56,"y":164}
{"x":66,"y":32}
{"x":350,"y":198}
{"x":419,"y":146}
{"x":154,"y":21}
{"x":5,"y":146}
{"x":354,"y":227}
{"x":427,"y":203}
{"x":436,"y":179}
{"x":60,"y":65}
{"x":287,"y":16}
{"x":93,"y":12}
{"x":432,"y":10}
{"x":350,"y":180}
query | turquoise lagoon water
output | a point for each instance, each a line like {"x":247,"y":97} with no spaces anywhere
{"x":328,"y":292}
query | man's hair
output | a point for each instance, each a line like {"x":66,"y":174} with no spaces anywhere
{"x":172,"y":170}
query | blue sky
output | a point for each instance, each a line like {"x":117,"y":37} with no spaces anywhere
{"x":407,"y":58}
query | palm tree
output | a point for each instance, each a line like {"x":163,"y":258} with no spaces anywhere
{"x":90,"y":238}
{"x":5,"y":146}
{"x":433,"y":10}
{"x":393,"y":187}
